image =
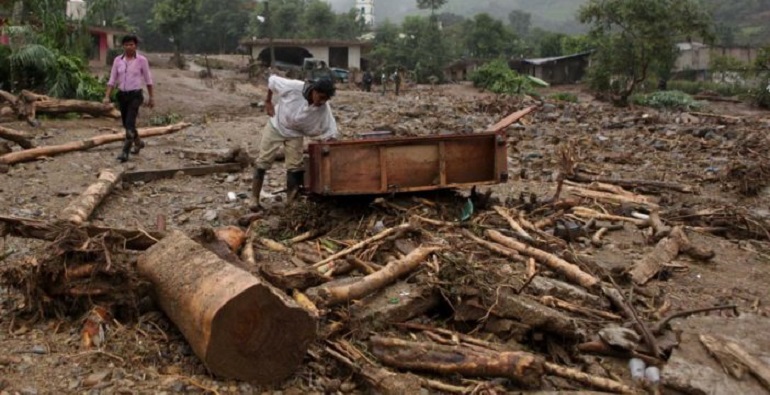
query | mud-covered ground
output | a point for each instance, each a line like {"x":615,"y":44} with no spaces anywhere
{"x":146,"y":354}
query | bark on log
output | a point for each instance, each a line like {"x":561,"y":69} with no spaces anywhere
{"x":736,"y":359}
{"x":382,"y":235}
{"x":382,"y":380}
{"x":33,"y":229}
{"x":81,"y":209}
{"x":34,"y":153}
{"x":20,"y":138}
{"x":547,"y":286}
{"x":613,"y":198}
{"x":494,"y":247}
{"x":56,"y":106}
{"x":332,"y":295}
{"x":587,"y":379}
{"x":523,"y":367}
{"x":239,"y":326}
{"x":665,"y":251}
{"x":569,"y":270}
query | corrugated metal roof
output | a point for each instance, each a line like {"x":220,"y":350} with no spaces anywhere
{"x":541,"y":61}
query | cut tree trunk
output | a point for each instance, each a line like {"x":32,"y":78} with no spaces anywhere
{"x":736,"y":360}
{"x":240,"y":326}
{"x":20,"y":138}
{"x":33,"y":229}
{"x":569,"y":270}
{"x":28,"y":104}
{"x":523,"y":367}
{"x":196,"y":171}
{"x":35,"y":153}
{"x":81,"y":209}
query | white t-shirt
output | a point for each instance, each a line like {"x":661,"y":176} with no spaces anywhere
{"x":294,"y":116}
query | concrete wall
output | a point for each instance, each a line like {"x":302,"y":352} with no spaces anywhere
{"x":700,"y":58}
{"x":321,"y":52}
{"x":354,"y":58}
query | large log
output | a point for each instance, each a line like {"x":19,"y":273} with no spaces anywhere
{"x":34,"y":153}
{"x":20,"y":138}
{"x":79,"y":210}
{"x":131,"y":239}
{"x":240,"y":326}
{"x":521,"y":366}
{"x":54,"y":106}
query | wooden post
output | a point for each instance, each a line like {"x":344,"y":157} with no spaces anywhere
{"x":240,"y":326}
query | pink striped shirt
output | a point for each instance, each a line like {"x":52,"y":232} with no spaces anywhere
{"x":130,"y":75}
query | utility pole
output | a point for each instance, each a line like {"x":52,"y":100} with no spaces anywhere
{"x":269,"y":23}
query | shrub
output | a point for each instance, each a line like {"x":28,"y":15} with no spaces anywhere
{"x":565,"y":96}
{"x":671,"y":100}
{"x":497,"y":77}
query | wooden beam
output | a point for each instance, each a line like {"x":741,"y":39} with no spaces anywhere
{"x":153,"y":175}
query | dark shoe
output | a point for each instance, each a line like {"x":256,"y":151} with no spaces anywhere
{"x":123,"y":157}
{"x":138,"y":145}
{"x":256,"y":188}
{"x":294,"y":182}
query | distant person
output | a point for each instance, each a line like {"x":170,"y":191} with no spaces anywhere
{"x":384,"y":80}
{"x":368,"y":80}
{"x":130,"y":73}
{"x":397,"y":81}
{"x":300,"y":110}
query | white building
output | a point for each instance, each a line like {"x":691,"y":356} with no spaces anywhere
{"x":366,"y":11}
{"x":76,"y":9}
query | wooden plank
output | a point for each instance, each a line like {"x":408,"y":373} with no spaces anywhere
{"x":471,"y":161}
{"x":355,"y":168}
{"x":153,"y":175}
{"x":383,"y":170}
{"x":412,"y":166}
{"x":442,"y":159}
{"x":510,"y":120}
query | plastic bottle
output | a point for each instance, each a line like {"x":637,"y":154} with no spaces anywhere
{"x":636,"y":366}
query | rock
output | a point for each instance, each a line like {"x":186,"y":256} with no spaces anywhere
{"x":231,"y":178}
{"x":28,"y":391}
{"x":96,"y":378}
{"x":210,"y":215}
{"x":208,"y":200}
{"x":39,"y":350}
{"x":624,"y":338}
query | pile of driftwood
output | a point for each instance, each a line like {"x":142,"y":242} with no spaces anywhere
{"x":404,"y":297}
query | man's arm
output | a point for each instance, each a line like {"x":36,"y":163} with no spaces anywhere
{"x":111,"y":82}
{"x":269,"y":107}
{"x":148,"y":81}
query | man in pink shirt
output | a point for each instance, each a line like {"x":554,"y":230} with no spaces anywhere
{"x":130,"y":73}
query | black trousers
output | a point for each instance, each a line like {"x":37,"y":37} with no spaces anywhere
{"x":129,"y":103}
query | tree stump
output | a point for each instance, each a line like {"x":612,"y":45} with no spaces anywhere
{"x":240,"y":326}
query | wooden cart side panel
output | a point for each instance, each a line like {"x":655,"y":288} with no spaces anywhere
{"x":501,"y":159}
{"x":354,"y":168}
{"x":412,"y":166}
{"x":469,"y":161}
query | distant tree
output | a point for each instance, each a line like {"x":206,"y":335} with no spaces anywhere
{"x":521,"y":22}
{"x":432,"y":5}
{"x":172,"y":17}
{"x":449,"y":19}
{"x":725,"y":34}
{"x":550,"y":44}
{"x":487,"y":37}
{"x":318,"y":20}
{"x":576,"y":44}
{"x":632,"y":35}
{"x":762,"y":69}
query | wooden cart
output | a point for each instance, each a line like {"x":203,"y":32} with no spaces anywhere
{"x":389,"y":165}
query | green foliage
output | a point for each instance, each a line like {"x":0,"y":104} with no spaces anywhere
{"x":697,"y":87}
{"x":165,"y":119}
{"x":497,"y":77}
{"x":431,"y":5}
{"x":417,"y":45}
{"x":670,"y":100}
{"x":565,"y":97}
{"x":488,"y":38}
{"x":762,"y":68}
{"x":172,"y":17}
{"x":635,"y":39}
{"x":521,"y":22}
